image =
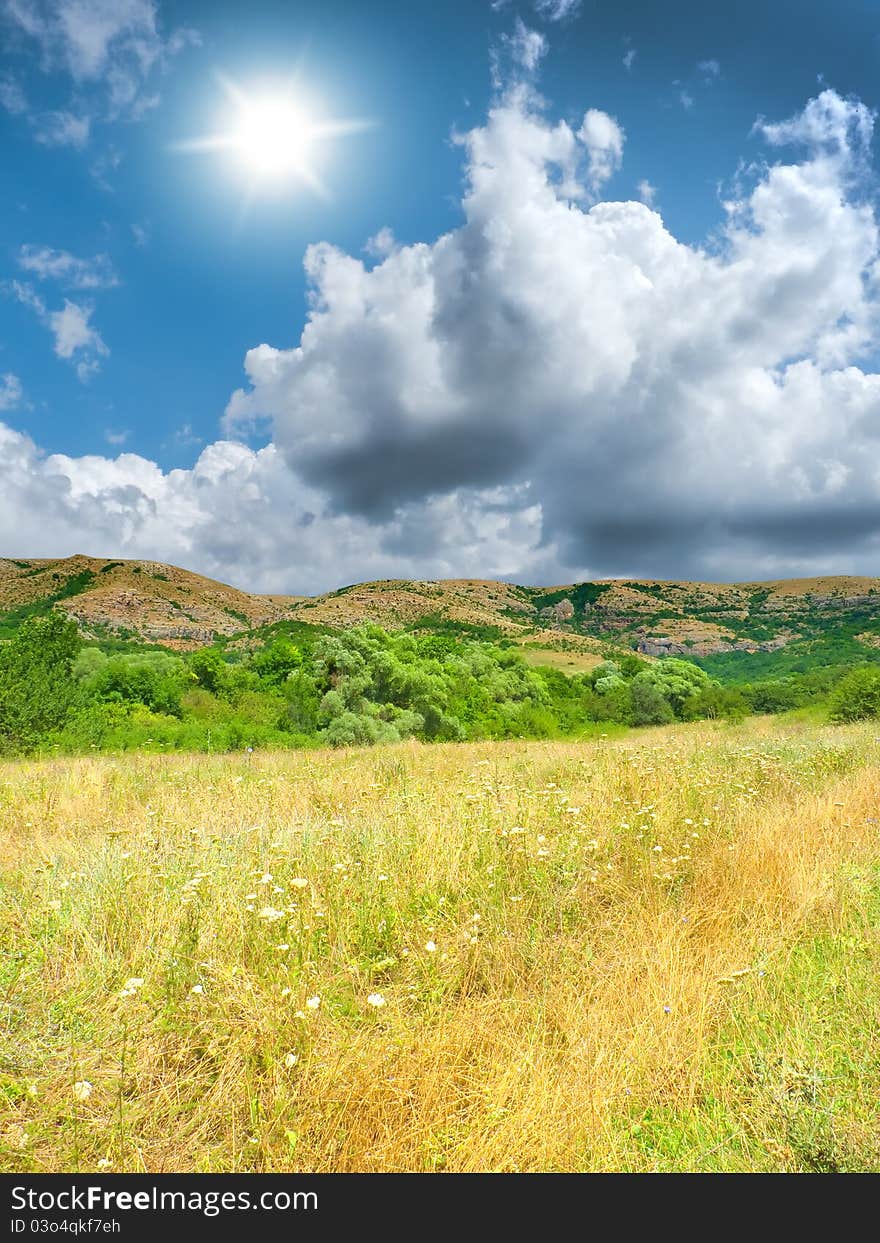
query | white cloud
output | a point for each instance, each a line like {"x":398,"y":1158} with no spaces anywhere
{"x":647,"y":193}
{"x":61,"y":129}
{"x":87,"y":36}
{"x":556,"y":10}
{"x":629,"y":58}
{"x":12,"y":97}
{"x":520,"y":52}
{"x":710,"y":69}
{"x":242,"y":516}
{"x":59,"y":265}
{"x":76,"y":340}
{"x":110,"y":49}
{"x":550,"y":391}
{"x":603,"y":139}
{"x":381,"y":244}
{"x":11,"y":391}
{"x":830,"y":124}
{"x":686,"y":99}
{"x":73,"y":332}
{"x":27,"y":296}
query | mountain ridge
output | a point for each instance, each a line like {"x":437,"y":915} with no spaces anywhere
{"x":158,"y":603}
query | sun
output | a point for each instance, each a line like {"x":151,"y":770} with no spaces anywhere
{"x":274,"y":136}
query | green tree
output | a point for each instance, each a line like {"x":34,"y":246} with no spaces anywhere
{"x":649,"y":705}
{"x":275,"y":662}
{"x":37,"y":689}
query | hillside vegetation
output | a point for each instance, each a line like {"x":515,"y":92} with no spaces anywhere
{"x":148,"y":602}
{"x":660,"y":952}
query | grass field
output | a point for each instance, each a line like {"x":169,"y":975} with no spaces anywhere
{"x":657,"y":952}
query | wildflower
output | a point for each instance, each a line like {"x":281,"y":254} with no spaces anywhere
{"x":299,"y":882}
{"x":291,"y":1060}
{"x":430,"y":947}
{"x":313,"y":1003}
{"x":269,"y":913}
{"x":54,"y":905}
{"x":82,"y":1089}
{"x":105,"y":1163}
{"x":667,"y":1009}
{"x":136,"y":982}
{"x":197,"y":989}
{"x":285,"y":992}
{"x":376,"y":999}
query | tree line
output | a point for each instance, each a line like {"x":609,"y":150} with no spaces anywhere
{"x":358,"y":687}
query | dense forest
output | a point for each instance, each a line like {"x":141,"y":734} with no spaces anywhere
{"x":304,"y":687}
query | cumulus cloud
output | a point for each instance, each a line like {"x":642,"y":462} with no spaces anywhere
{"x":558,"y":388}
{"x":603,"y":139}
{"x":243,"y":516}
{"x":60,"y":265}
{"x":671,"y":411}
{"x":647,"y":193}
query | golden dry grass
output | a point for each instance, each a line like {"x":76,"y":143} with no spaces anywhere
{"x":659,"y":952}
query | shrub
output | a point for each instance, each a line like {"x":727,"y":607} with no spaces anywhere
{"x":857,"y":696}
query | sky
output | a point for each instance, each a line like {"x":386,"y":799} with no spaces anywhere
{"x":300,"y":295}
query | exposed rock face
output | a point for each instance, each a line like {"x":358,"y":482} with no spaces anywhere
{"x":562,"y":611}
{"x":671,"y":647}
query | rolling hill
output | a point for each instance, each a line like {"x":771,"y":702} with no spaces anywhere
{"x":568,"y":625}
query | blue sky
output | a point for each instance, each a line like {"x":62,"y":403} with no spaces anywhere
{"x":137,"y":276}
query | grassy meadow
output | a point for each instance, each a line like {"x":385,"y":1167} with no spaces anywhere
{"x":658,"y":952}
